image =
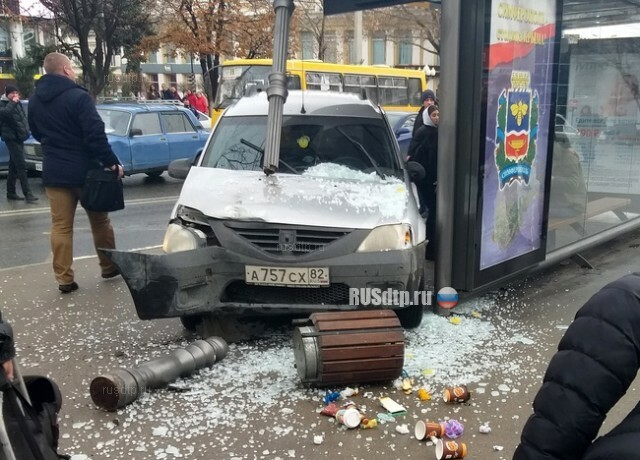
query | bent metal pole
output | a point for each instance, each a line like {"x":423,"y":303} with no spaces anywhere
{"x":277,"y":90}
{"x":117,"y":389}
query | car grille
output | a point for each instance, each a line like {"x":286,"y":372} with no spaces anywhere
{"x":33,"y":150}
{"x":285,"y":241}
{"x":241,"y":292}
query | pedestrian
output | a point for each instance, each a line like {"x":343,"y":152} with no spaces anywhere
{"x":63,"y":117}
{"x":14,"y":130}
{"x":174,"y":94}
{"x":152,"y":94}
{"x":166,"y":92}
{"x":202,"y":105}
{"x":428,"y":99}
{"x":424,"y":150}
{"x":193,"y":110}
{"x":596,"y":363}
{"x":191,"y":97}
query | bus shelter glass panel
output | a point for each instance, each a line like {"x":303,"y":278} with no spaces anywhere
{"x":595,"y":182}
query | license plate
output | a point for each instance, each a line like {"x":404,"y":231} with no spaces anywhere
{"x":287,"y":276}
{"x":38,"y":166}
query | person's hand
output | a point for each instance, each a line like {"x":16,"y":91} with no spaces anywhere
{"x":8,"y":368}
{"x":16,"y":98}
{"x":120,"y":170}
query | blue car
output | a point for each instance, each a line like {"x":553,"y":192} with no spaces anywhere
{"x":402,"y":125}
{"x":146,"y":138}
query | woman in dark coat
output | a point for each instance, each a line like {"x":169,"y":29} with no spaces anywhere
{"x":596,"y":362}
{"x":424,"y":150}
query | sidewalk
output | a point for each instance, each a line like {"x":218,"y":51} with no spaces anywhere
{"x":252,"y":405}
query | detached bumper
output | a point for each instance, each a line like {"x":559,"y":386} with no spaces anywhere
{"x":212,"y":280}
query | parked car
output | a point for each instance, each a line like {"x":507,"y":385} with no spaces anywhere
{"x":402,"y":125}
{"x":339,"y":214}
{"x":146,"y":138}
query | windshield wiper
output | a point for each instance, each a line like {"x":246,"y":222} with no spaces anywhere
{"x":363,"y":150}
{"x":261,"y":150}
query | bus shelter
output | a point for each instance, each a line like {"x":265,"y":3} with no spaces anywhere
{"x":540,"y":110}
{"x":540,"y":105}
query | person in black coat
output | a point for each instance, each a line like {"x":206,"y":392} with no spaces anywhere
{"x":14,"y":130}
{"x":428,"y":99}
{"x":424,"y":149}
{"x":64,"y":119}
{"x":597,"y":360}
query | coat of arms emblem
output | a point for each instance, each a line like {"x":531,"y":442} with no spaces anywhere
{"x":516,"y":130}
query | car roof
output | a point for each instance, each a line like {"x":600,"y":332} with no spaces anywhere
{"x":139,"y":107}
{"x":313,"y":102}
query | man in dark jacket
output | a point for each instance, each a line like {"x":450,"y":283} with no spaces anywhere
{"x":596,"y":362}
{"x":63,"y":117}
{"x":428,"y":99}
{"x":14,"y":130}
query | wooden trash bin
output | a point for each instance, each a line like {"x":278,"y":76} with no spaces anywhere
{"x":349,"y":347}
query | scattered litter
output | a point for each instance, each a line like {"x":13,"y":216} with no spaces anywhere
{"x":423,"y":394}
{"x":348,"y":393}
{"x":318,"y":439}
{"x":402,"y":429}
{"x":384,"y":418}
{"x":458,"y":394}
{"x":504,"y":388}
{"x":453,"y":429}
{"x":455,"y":320}
{"x":160,"y":431}
{"x":498,"y":448}
{"x":485,"y":428}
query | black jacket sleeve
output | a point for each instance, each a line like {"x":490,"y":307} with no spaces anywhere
{"x":597,"y":360}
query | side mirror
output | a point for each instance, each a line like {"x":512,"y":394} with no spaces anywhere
{"x":403,"y":130}
{"x":135,"y":132}
{"x":415,"y":170}
{"x":179,"y":169}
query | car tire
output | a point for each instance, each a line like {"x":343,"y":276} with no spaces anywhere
{"x":191,"y":322}
{"x":154,"y":173}
{"x":411,"y":317}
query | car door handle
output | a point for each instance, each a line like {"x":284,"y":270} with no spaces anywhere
{"x":163,"y":138}
{"x":194,"y":137}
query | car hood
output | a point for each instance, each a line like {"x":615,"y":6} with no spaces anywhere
{"x":345,"y":198}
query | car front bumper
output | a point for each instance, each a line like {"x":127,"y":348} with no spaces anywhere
{"x":212,"y":280}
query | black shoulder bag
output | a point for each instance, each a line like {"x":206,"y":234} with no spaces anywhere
{"x":103,"y":191}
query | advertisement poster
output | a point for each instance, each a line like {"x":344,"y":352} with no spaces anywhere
{"x":519,"y":83}
{"x":605,"y":114}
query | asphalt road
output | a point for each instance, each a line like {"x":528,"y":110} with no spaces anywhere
{"x":251,"y":404}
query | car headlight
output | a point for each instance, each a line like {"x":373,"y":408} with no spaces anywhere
{"x":178,"y":238}
{"x":388,"y":238}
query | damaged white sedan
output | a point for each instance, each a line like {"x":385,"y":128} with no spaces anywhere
{"x":340,"y":213}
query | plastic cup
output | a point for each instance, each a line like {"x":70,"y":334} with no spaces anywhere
{"x":349,"y":417}
{"x":457,"y":394}
{"x":425,"y":430}
{"x":447,"y":449}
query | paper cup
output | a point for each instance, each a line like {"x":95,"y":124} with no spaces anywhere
{"x":457,"y":394}
{"x":447,"y":449}
{"x":425,"y":430}
{"x":349,"y":417}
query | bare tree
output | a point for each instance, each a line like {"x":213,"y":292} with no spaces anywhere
{"x":94,"y":31}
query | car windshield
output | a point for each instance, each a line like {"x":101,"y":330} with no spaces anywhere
{"x":115,"y":121}
{"x":361,"y":144}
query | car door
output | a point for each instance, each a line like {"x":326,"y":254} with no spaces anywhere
{"x":149,"y":146}
{"x":183,"y":137}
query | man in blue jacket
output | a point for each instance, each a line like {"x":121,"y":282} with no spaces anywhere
{"x":63,"y":118}
{"x":596,"y":363}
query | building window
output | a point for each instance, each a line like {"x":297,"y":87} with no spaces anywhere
{"x":378,"y":46}
{"x":171,"y":59}
{"x":152,"y":58}
{"x":308,"y":42}
{"x":353,"y":54}
{"x":330,"y":47}
{"x":405,"y":51}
